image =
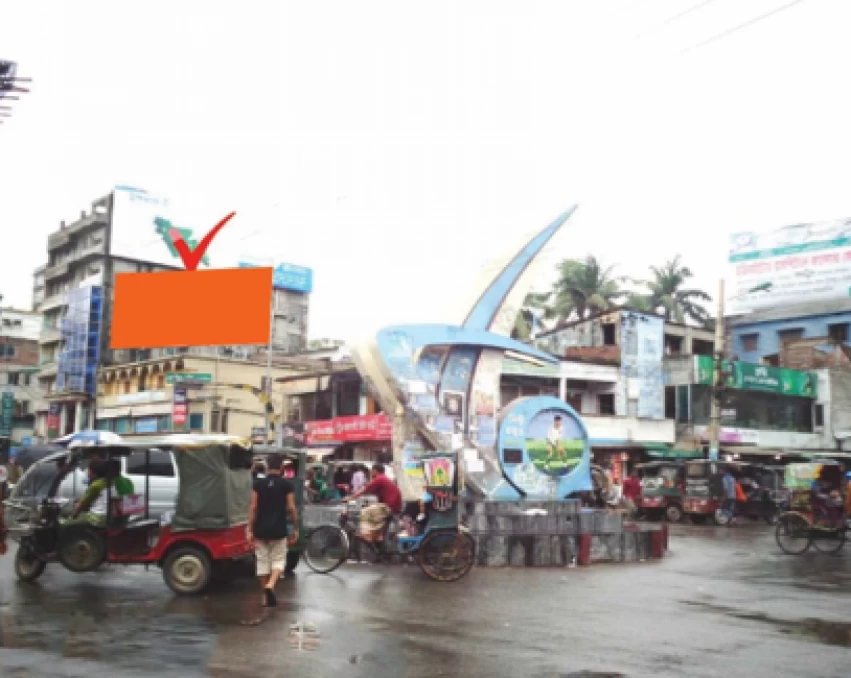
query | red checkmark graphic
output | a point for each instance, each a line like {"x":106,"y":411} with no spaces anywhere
{"x":191,"y":258}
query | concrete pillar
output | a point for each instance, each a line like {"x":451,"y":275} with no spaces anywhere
{"x":363,"y":408}
{"x":78,"y":417}
{"x":562,"y":389}
{"x":63,"y":418}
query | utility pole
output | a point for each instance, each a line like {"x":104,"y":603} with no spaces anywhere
{"x":717,"y":381}
{"x":269,"y":362}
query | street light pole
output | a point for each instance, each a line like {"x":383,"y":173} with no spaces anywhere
{"x":717,"y":381}
{"x":269,"y":362}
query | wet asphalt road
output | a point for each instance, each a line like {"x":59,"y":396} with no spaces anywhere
{"x":724,"y":602}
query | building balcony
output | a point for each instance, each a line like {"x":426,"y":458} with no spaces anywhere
{"x":53,"y":301}
{"x":47,"y":369}
{"x":618,"y":430}
{"x":57,"y":270}
{"x":50,"y":334}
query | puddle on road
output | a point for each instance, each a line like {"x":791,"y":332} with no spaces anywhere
{"x":827,"y":632}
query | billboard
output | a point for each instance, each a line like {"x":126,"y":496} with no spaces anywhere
{"x":793,"y":264}
{"x":284,"y":276}
{"x":145,"y":226}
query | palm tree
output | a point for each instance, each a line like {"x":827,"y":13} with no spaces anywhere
{"x":534,"y":306}
{"x":583,"y":287}
{"x":668,"y":294}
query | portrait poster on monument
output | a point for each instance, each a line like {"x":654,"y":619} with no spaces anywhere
{"x":484,"y":403}
{"x":453,"y":404}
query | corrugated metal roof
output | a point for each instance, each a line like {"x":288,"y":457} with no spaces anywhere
{"x":813,"y":308}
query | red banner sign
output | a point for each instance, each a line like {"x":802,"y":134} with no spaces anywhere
{"x":349,"y":429}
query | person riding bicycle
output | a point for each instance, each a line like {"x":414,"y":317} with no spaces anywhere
{"x":374,"y":518}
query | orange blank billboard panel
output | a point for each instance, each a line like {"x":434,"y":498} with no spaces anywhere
{"x":212,"y":307}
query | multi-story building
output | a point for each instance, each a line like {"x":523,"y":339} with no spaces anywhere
{"x":761,"y":334}
{"x":76,"y":301}
{"x":39,"y":289}
{"x":766,"y":411}
{"x":22,"y":398}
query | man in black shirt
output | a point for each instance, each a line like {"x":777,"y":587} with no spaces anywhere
{"x":271,"y":502}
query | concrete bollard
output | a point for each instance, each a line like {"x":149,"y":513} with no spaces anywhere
{"x":657,"y":544}
{"x":665,"y":536}
{"x":584,"y":549}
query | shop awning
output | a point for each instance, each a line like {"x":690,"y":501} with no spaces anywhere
{"x":320,"y":452}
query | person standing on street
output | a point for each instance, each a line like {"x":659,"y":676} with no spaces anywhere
{"x":632,"y":492}
{"x":272,"y":502}
{"x":729,"y":504}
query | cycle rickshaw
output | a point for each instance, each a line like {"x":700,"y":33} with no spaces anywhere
{"x":817,"y":514}
{"x":444,"y":549}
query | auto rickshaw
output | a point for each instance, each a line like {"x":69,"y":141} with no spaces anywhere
{"x":662,"y":489}
{"x":704,"y":491}
{"x":206,"y":534}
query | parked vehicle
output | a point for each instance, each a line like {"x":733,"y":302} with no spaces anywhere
{"x":817,"y":515}
{"x":206,"y":535}
{"x":704,"y":491}
{"x":662,"y":490}
{"x":159,"y":467}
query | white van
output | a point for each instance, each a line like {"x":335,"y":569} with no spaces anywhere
{"x":163,"y":481}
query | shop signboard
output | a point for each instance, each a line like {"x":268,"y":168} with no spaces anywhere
{"x":349,"y":429}
{"x":793,"y":264}
{"x":753,"y":377}
{"x":180,"y":377}
{"x":284,"y":276}
{"x":7,"y":410}
{"x":180,"y":409}
{"x":53,"y":420}
{"x":729,"y":435}
{"x":145,"y":425}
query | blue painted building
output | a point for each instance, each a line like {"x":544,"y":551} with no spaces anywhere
{"x":758,"y":335}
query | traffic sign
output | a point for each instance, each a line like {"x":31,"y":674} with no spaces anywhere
{"x":178,"y":377}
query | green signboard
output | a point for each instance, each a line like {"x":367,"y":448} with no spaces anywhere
{"x":752,"y":377}
{"x":7,"y":410}
{"x":177,"y":377}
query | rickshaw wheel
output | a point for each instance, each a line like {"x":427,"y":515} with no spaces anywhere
{"x":187,"y":570}
{"x":81,"y":549}
{"x":831,"y":543}
{"x":447,"y":556}
{"x":326,"y":548}
{"x":28,"y":566}
{"x":793,"y":534}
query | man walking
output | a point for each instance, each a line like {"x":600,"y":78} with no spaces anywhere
{"x":729,"y":505}
{"x":272,"y":501}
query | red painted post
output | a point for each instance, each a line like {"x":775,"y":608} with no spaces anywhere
{"x":656,"y":544}
{"x":584,"y":549}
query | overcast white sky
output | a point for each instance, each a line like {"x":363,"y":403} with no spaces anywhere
{"x":392,"y":146}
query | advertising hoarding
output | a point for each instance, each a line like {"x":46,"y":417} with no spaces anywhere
{"x":284,"y":276}
{"x":789,"y":265}
{"x":145,"y":226}
{"x":642,"y":350}
{"x":7,"y":410}
{"x":753,"y":377}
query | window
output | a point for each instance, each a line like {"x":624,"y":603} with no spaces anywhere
{"x":123,"y":425}
{"x":7,"y":351}
{"x":606,"y":403}
{"x":196,"y":422}
{"x":160,"y":464}
{"x":838,"y":332}
{"x":14,"y":378}
{"x":750,"y":343}
{"x":215,"y":415}
{"x":160,"y":382}
{"x":670,"y":402}
{"x":103,"y":424}
{"x":818,"y":416}
{"x":673,"y":345}
{"x":791,"y":334}
{"x":609,"y":334}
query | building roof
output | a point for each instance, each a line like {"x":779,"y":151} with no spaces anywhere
{"x":565,"y":324}
{"x":792,"y":312}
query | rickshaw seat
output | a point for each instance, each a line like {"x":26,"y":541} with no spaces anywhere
{"x":137,"y":524}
